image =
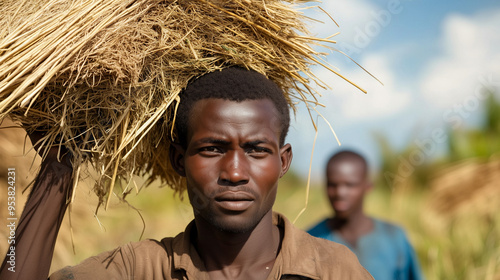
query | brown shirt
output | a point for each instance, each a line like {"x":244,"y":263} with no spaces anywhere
{"x":301,"y":257}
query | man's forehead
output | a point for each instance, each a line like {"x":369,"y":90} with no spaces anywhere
{"x":348,"y":165}
{"x":258,"y":111}
{"x":243,"y":106}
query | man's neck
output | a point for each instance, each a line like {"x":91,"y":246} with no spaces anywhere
{"x":353,"y":227}
{"x":249,"y":255}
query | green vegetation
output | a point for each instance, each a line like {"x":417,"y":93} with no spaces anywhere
{"x":449,"y":205}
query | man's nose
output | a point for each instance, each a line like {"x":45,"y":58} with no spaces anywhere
{"x":342,"y":190}
{"x":338,"y":191}
{"x":234,"y":168}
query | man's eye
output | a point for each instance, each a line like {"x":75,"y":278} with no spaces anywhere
{"x":210,"y":149}
{"x":258,"y":151}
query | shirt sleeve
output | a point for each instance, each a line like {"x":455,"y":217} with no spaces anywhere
{"x":147,"y":259}
{"x":115,"y":264}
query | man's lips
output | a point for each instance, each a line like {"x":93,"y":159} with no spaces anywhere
{"x":340,"y":205}
{"x":234,"y":201}
{"x":234,"y":196}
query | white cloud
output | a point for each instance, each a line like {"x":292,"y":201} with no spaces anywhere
{"x":361,"y":22}
{"x":349,"y":13}
{"x":471,"y":56}
{"x":351,"y":113}
{"x":347,"y":103}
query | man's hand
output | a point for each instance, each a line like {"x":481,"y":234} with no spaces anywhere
{"x":57,"y":153}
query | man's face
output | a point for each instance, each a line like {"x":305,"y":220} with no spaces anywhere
{"x":233,"y":161}
{"x":346,"y":187}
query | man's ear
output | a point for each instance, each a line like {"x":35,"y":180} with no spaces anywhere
{"x":286,"y":156}
{"x":176,"y":155}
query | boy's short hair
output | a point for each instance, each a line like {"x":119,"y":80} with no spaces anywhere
{"x":349,"y":155}
{"x":233,"y":84}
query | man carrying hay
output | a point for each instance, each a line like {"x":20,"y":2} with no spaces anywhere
{"x":99,"y":83}
{"x":231,"y":150}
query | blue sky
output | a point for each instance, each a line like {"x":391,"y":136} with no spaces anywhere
{"x":433,"y":58}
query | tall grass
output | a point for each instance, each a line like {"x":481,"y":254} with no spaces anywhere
{"x":465,"y":246}
{"x":461,"y":247}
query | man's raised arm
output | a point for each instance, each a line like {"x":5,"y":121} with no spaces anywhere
{"x":40,"y":221}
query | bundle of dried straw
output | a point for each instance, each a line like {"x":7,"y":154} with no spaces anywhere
{"x":468,"y":186}
{"x":100,"y":77}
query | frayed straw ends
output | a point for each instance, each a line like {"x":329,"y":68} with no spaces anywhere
{"x":103,"y":77}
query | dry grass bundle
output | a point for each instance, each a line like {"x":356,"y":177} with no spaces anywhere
{"x":102,"y":77}
{"x":468,"y":186}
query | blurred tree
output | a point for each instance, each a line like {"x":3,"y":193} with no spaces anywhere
{"x":410,"y":167}
{"x":481,"y":142}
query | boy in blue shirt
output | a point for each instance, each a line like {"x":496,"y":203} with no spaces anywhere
{"x":382,"y":248}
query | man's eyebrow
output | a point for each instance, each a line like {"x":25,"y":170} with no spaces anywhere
{"x":218,"y":141}
{"x":213,"y":141}
{"x":256,"y":142}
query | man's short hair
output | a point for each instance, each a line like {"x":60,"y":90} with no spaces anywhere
{"x":349,"y":155}
{"x":233,"y":84}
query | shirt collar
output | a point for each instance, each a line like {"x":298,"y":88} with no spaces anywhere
{"x":296,"y":257}
{"x":186,"y":256}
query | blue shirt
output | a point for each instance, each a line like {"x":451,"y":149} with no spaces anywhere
{"x":385,"y":252}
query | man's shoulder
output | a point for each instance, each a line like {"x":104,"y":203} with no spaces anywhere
{"x":323,"y":242}
{"x":127,"y":259}
{"x":338,"y":260}
{"x":309,"y":255}
{"x":304,"y":242}
{"x":330,"y":249}
{"x":390,"y":234}
{"x":149,"y":246}
{"x":158,"y":248}
{"x":389,"y":228}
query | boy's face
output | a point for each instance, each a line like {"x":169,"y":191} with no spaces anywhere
{"x":233,"y":161}
{"x":346,"y":187}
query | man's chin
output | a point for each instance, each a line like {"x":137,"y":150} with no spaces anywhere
{"x":235,"y":227}
{"x":237,"y":223}
{"x":342,"y":214}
